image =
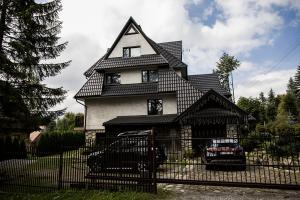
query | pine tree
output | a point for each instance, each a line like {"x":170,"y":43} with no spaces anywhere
{"x":297,"y":83}
{"x":28,"y":39}
{"x":262,"y":108}
{"x":224,"y":68}
{"x":271,"y":110}
{"x":291,"y":87}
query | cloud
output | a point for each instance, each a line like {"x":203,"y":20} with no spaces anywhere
{"x":239,"y":28}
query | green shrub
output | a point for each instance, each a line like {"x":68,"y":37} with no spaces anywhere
{"x":12,"y":148}
{"x":56,"y":142}
{"x":250,"y":142}
{"x":260,"y":128}
{"x":296,"y":129}
{"x":284,"y":129}
{"x":254,"y":140}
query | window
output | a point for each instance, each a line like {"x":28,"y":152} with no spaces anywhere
{"x":113,"y":78}
{"x":131,"y":52}
{"x":155,"y":107}
{"x":149,"y":76}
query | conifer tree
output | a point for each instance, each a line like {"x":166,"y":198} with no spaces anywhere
{"x":224,"y":68}
{"x":271,"y":110}
{"x":29,"y":44}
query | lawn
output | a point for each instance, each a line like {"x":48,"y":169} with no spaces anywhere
{"x":85,"y":195}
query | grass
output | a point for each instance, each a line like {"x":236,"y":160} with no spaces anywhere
{"x":86,"y":195}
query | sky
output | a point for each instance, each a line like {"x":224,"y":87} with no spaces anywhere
{"x":264,"y":35}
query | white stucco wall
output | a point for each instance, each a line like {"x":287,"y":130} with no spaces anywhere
{"x":100,"y":110}
{"x":131,"y":76}
{"x":178,"y":72}
{"x":132,"y":40}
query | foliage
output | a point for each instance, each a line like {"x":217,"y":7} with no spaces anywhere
{"x":65,"y":124}
{"x":251,"y":106}
{"x":225,"y":66}
{"x":56,"y":142}
{"x":28,"y":38}
{"x":284,"y":146}
{"x":288,"y":110}
{"x":254,"y":140}
{"x":271,"y":107}
{"x":12,"y":148}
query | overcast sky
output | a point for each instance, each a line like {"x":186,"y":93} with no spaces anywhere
{"x":264,"y":35}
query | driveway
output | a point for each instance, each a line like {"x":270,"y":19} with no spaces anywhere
{"x":189,"y":192}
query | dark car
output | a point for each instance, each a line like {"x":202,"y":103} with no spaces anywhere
{"x":224,"y":153}
{"x":131,"y":151}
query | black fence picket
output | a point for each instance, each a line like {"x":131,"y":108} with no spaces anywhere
{"x":141,"y":163}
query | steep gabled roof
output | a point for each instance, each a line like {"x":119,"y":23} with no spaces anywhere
{"x":174,"y":48}
{"x":90,"y":70}
{"x":166,"y":53}
{"x":93,"y":86}
{"x":123,"y":31}
{"x":205,"y":82}
{"x":144,"y":60}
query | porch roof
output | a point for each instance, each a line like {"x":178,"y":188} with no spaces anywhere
{"x":141,"y":120}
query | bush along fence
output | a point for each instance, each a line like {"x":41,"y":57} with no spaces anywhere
{"x":142,"y":163}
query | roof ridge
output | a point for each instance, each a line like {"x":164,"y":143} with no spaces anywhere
{"x":202,"y":74}
{"x":169,"y":42}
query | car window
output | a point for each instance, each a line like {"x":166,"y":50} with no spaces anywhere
{"x":231,"y":145}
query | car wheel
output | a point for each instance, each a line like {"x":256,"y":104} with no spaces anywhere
{"x":95,"y":167}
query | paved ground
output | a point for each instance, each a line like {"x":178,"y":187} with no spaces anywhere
{"x":189,"y":192}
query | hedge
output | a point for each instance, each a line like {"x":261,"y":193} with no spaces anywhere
{"x":12,"y":148}
{"x":56,"y":142}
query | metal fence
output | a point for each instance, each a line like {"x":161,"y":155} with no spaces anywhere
{"x":140,"y":163}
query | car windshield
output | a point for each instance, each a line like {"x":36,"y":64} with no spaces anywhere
{"x":231,"y":145}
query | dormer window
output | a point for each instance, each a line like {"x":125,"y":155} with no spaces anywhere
{"x":149,"y":76}
{"x":155,"y":107}
{"x":113,"y":78}
{"x":131,"y":52}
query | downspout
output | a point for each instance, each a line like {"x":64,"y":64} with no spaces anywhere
{"x":84,"y":126}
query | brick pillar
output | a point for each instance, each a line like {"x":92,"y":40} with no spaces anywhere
{"x":186,"y":138}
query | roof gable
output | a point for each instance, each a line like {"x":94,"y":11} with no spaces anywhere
{"x":131,"y":35}
{"x":225,"y":106}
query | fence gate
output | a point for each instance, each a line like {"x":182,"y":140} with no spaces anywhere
{"x":250,"y":161}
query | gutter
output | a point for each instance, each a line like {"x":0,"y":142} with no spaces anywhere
{"x":84,"y":125}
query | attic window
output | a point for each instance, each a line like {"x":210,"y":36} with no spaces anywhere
{"x":113,"y":78}
{"x":131,"y":30}
{"x":131,"y":52}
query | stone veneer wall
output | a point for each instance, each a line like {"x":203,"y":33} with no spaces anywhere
{"x":186,"y":138}
{"x":90,"y":135}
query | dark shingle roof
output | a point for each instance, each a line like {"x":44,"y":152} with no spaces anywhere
{"x":186,"y":93}
{"x":93,"y":86}
{"x":205,"y":82}
{"x":144,"y":60}
{"x":172,"y":60}
{"x":141,"y":120}
{"x":170,"y":53}
{"x":90,"y":70}
{"x":174,"y":47}
{"x":130,"y":89}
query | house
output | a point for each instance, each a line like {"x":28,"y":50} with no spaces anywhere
{"x":140,"y":84}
